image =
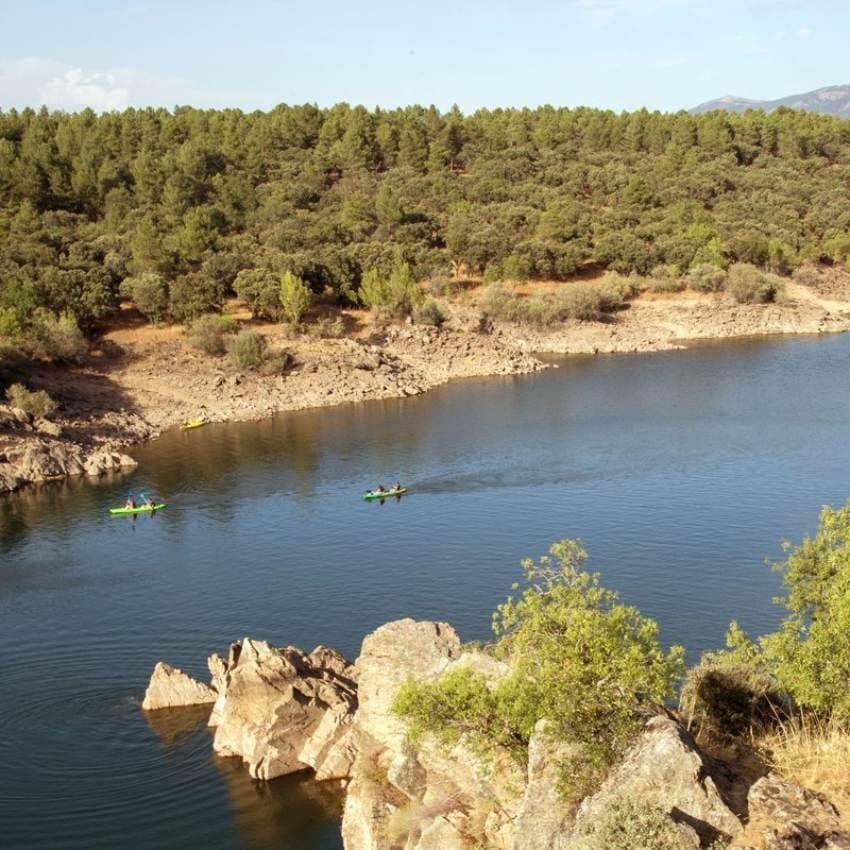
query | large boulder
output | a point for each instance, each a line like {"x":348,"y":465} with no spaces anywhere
{"x":170,"y":688}
{"x":282,"y":710}
{"x":786,"y":816}
{"x":103,"y":461}
{"x":664,"y":767}
{"x":423,"y":796}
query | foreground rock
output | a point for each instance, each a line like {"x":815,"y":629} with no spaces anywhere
{"x":786,"y":816}
{"x":282,"y":710}
{"x":665,"y":767}
{"x":171,"y":688}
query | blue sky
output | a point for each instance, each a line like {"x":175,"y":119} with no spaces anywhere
{"x":617,"y":54}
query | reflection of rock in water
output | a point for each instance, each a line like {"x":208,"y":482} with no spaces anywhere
{"x":173,"y":725}
{"x":289,"y":813}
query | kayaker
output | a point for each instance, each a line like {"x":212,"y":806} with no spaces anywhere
{"x":149,"y":503}
{"x":397,"y":486}
{"x":131,"y":504}
{"x":380,"y":489}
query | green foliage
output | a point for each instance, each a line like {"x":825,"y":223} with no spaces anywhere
{"x":396,"y":295}
{"x":192,"y":295}
{"x":630,"y":824}
{"x":578,"y":658}
{"x":731,"y":693}
{"x":198,"y":195}
{"x":429,"y":313}
{"x":247,"y":349}
{"x":56,"y":337}
{"x":260,"y":290}
{"x":36,"y":403}
{"x":706,"y":278}
{"x":294,"y":298}
{"x":149,"y":294}
{"x":209,"y":333}
{"x":748,"y":285}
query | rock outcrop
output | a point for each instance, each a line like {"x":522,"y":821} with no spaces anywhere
{"x":664,"y":766}
{"x":282,"y":710}
{"x":786,"y":816}
{"x":172,"y":688}
{"x":425,"y":796}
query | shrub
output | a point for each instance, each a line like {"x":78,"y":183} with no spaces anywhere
{"x":578,"y":658}
{"x":706,"y":278}
{"x":149,"y":294}
{"x":748,"y":285}
{"x":247,"y":349}
{"x":397,"y":295}
{"x":208,"y":333}
{"x":429,"y":313}
{"x":327,"y":327}
{"x":58,"y":338}
{"x":730,"y":694}
{"x":193,"y":295}
{"x":807,"y":275}
{"x":499,"y":302}
{"x":665,"y":284}
{"x":36,"y":403}
{"x":629,"y":824}
{"x":275,"y":362}
{"x":294,"y":298}
{"x":260,"y":290}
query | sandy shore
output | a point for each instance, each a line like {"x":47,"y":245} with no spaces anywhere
{"x":148,"y":379}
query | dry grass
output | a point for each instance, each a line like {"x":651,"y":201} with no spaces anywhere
{"x":815,"y":755}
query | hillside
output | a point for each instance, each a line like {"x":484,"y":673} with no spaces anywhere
{"x":829,"y":100}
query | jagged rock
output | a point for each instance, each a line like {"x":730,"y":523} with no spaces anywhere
{"x":170,"y":688}
{"x":282,"y":710}
{"x":104,"y":461}
{"x":45,"y":426}
{"x":786,"y":816}
{"x":664,"y":766}
{"x":389,"y":656}
{"x":9,"y":481}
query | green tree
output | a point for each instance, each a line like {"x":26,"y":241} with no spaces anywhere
{"x":578,"y":658}
{"x":260,"y":290}
{"x":295,"y":298}
{"x":149,"y":294}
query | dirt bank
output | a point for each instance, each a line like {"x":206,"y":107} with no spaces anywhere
{"x":144,"y":380}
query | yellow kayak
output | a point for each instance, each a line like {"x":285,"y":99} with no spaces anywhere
{"x":193,"y":423}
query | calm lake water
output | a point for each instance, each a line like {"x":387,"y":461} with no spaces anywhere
{"x":681,"y":472}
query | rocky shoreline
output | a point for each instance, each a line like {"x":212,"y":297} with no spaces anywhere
{"x":282,"y":711}
{"x":137,"y":389}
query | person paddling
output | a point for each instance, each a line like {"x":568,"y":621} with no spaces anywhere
{"x":130,"y":505}
{"x":397,"y":487}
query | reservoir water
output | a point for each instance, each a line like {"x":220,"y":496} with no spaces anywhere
{"x":681,"y":472}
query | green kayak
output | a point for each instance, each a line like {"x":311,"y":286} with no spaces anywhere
{"x":142,"y":510}
{"x":370,"y":495}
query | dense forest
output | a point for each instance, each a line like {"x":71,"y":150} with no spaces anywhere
{"x":185,"y":200}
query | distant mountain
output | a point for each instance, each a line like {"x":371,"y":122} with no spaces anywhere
{"x":830,"y":100}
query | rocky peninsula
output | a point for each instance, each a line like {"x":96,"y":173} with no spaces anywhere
{"x":142,"y":380}
{"x":282,"y":710}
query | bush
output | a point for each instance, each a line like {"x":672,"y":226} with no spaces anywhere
{"x":275,"y":362}
{"x":706,"y":278}
{"x":193,"y":295}
{"x":58,"y":338}
{"x":629,"y":824}
{"x":260,"y":290}
{"x":294,"y":298}
{"x":247,"y":349}
{"x":578,"y":658}
{"x":327,"y":328}
{"x":730,"y":694}
{"x":149,"y":294}
{"x":748,"y":285}
{"x":429,"y":313}
{"x":665,"y":284}
{"x":208,"y":333}
{"x":397,"y":295}
{"x":807,"y":275}
{"x":36,"y":403}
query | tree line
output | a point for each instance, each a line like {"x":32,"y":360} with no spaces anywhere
{"x":174,"y":205}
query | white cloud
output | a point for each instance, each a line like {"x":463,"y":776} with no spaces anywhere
{"x":803,"y":32}
{"x":76,"y":89}
{"x":35,"y":81}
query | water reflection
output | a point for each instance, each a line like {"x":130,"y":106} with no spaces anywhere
{"x":290,"y":813}
{"x":174,"y":725}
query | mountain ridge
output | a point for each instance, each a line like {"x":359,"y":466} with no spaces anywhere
{"x":827,"y":100}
